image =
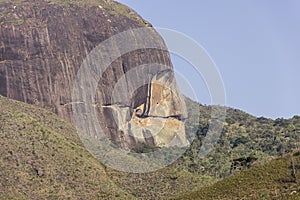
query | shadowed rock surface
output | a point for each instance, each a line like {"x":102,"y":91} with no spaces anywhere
{"x":43,"y":44}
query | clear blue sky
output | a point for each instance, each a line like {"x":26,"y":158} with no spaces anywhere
{"x":255,"y":44}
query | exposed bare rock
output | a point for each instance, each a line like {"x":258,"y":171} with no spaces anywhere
{"x":158,"y":121}
{"x":43,"y":44}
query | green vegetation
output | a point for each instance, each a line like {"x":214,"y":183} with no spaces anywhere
{"x":41,"y":157}
{"x":246,"y":141}
{"x":278,"y":179}
{"x":243,"y":136}
{"x":162,"y":184}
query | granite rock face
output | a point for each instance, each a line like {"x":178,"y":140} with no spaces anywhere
{"x":158,"y":121}
{"x":44,"y":43}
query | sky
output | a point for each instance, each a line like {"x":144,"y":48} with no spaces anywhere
{"x":254,"y":44}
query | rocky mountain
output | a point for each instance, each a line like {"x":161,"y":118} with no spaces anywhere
{"x":44,"y":48}
{"x":43,"y":45}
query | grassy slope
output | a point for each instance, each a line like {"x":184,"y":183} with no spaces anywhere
{"x":274,"y":180}
{"x":41,"y":157}
{"x":161,"y":184}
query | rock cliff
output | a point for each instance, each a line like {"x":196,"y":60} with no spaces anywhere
{"x":44,"y":43}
